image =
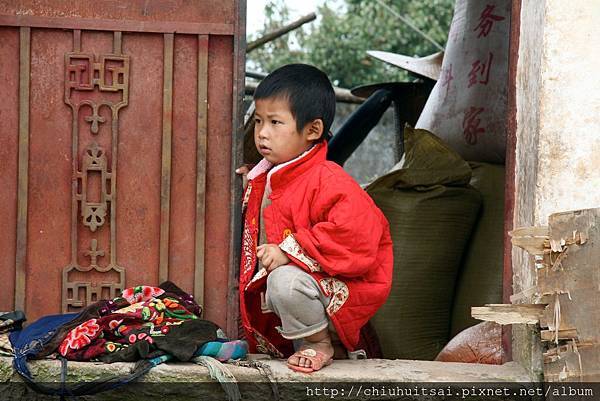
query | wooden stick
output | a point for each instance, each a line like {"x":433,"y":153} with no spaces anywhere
{"x":280,"y":32}
{"x":563,"y":334}
{"x":509,"y":314}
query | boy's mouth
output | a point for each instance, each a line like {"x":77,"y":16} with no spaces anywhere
{"x":264,"y":149}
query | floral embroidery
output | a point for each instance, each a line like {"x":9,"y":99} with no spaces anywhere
{"x":121,"y":330}
{"x":337,"y":290}
{"x":131,"y":308}
{"x":169,"y":303}
{"x":113,"y":324}
{"x":160,"y":305}
{"x":80,"y":336}
{"x":290,"y":246}
{"x":246,"y":197}
{"x":265,"y":346}
{"x":247,"y":250}
{"x":259,"y":274}
{"x":111,"y":347}
{"x":115,"y":332}
{"x":141,"y":293}
{"x":144,"y":336}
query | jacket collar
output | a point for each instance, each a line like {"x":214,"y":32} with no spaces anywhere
{"x":288,"y":171}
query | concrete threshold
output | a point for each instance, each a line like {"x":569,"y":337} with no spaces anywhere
{"x":188,"y":381}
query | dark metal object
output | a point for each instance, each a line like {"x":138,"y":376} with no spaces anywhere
{"x":408,"y":99}
{"x":280,"y":32}
{"x":89,"y":79}
{"x":256,"y":75}
{"x":24,"y":83}
{"x":356,"y":128}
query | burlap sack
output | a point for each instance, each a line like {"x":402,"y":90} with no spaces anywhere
{"x":431,"y":210}
{"x":480,"y":277}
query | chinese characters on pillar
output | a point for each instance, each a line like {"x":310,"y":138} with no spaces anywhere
{"x":486,"y":21}
{"x":480,"y":71}
{"x":472,"y":125}
{"x":447,"y":78}
{"x":479,"y":75}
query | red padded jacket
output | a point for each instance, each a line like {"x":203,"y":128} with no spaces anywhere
{"x":327,"y":225}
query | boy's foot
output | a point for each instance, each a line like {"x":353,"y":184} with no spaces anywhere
{"x":339,"y":351}
{"x":313,"y":355}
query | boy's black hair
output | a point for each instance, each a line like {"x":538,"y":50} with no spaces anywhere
{"x":307,"y":90}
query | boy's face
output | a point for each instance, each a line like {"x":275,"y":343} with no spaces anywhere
{"x":275,"y":133}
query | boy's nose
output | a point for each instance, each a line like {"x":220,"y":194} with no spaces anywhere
{"x":261,"y":132}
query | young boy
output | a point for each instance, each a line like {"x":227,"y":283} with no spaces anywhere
{"x":323,"y":263}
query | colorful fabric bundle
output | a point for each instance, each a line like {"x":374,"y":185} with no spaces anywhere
{"x":224,"y":350}
{"x":105,"y":307}
{"x":27,"y":343}
{"x":152,"y":324}
{"x":146,"y":324}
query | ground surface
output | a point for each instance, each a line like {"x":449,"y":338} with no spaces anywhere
{"x":183,"y":381}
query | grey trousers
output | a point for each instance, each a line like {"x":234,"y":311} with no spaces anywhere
{"x":294,"y":296}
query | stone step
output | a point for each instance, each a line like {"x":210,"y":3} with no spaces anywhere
{"x":179,"y":380}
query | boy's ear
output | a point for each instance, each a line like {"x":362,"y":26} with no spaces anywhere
{"x":314,"y":129}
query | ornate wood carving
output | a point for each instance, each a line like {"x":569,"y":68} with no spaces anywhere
{"x":89,"y":79}
{"x":93,"y":213}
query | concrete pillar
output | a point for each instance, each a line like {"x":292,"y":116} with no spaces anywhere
{"x":557,"y":158}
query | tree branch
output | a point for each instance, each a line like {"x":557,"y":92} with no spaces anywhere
{"x":280,"y":32}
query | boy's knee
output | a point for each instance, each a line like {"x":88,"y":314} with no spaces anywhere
{"x":286,"y":283}
{"x":279,"y":282}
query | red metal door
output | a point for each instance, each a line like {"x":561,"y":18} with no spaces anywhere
{"x":116,"y":149}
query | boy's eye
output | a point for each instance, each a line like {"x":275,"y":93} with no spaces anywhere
{"x":257,"y":120}
{"x":275,"y":122}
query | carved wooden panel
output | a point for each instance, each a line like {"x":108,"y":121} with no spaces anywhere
{"x":110,"y":155}
{"x":91,"y":80}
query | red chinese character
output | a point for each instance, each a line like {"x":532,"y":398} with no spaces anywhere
{"x":471,"y":128}
{"x":447,"y":77}
{"x":479,"y":69}
{"x":486,"y":20}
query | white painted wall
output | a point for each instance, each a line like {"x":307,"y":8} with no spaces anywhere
{"x":568,"y":170}
{"x":557,"y":166}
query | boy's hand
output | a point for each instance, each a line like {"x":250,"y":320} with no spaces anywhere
{"x":243,"y":171}
{"x":271,"y":256}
